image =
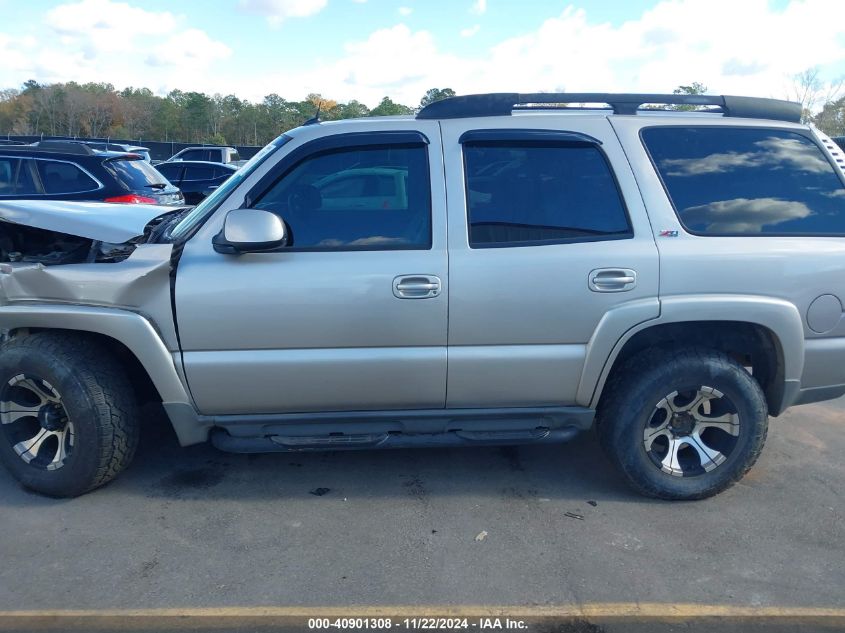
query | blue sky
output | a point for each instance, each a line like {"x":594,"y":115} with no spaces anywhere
{"x":367,"y":49}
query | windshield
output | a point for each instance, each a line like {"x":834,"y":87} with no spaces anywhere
{"x":209,"y":205}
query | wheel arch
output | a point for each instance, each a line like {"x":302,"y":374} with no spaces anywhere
{"x":131,"y":337}
{"x":762,"y":333}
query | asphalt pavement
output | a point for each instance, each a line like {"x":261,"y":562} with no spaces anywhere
{"x":550,"y":527}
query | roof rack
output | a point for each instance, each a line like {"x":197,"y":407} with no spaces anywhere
{"x":66,"y":147}
{"x":503,"y":103}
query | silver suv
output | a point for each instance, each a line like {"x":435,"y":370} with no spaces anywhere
{"x":498,"y":269}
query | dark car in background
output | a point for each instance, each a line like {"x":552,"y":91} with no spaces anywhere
{"x":196,"y":178}
{"x":104,"y":146}
{"x":839,"y":140}
{"x":74,"y":171}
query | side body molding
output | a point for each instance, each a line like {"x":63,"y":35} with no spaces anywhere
{"x":132,"y":330}
{"x":779,"y":316}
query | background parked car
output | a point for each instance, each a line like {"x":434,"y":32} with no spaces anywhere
{"x":839,"y":140}
{"x":103,"y":146}
{"x":196,"y":178}
{"x":210,"y":154}
{"x":74,"y":171}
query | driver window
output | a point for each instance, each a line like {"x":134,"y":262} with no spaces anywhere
{"x":356,"y":198}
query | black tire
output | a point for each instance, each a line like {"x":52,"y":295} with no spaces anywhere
{"x":96,"y":407}
{"x":635,"y":406}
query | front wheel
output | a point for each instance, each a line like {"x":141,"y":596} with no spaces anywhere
{"x":683,"y":424}
{"x":68,"y":416}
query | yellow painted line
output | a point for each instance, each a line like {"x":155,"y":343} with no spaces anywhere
{"x":612,"y":609}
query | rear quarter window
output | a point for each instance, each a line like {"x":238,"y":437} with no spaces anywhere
{"x":747,"y":181}
{"x":171,"y":172}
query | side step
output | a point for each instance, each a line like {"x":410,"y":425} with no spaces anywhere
{"x":222,"y":440}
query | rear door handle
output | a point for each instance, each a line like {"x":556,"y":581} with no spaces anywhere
{"x":612,"y":279}
{"x":416,"y":286}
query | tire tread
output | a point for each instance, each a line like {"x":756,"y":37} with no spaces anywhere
{"x":620,"y":391}
{"x":108,"y":388}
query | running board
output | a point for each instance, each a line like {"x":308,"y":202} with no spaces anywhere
{"x":349,"y":430}
{"x":222,"y":440}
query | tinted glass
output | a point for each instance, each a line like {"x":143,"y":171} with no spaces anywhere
{"x":234,"y":156}
{"x":199,"y":172}
{"x":748,"y":181}
{"x":530,"y":193}
{"x":8,"y":175}
{"x":222,"y":172}
{"x":212,"y":202}
{"x":332,"y":199}
{"x":64,"y":178}
{"x":136,"y":174}
{"x":171,"y":171}
{"x":194,"y":154}
{"x":26,"y":179}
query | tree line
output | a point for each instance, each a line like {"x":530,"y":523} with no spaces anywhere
{"x":98,"y":110}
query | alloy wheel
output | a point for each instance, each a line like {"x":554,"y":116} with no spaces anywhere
{"x":692,"y":432}
{"x":34,"y":421}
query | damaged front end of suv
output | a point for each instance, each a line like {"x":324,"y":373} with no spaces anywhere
{"x":92,"y":254}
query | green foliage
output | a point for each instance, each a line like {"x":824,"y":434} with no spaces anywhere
{"x":436,"y":94}
{"x":695,"y":88}
{"x":388,"y":108}
{"x":97,"y":109}
{"x":831,"y":119}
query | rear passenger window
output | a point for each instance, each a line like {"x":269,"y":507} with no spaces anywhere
{"x":26,"y":179}
{"x":16,"y":177}
{"x":535,"y":193}
{"x":199,"y":172}
{"x":358,"y":198}
{"x":8,"y":175}
{"x":58,"y":177}
{"x":747,"y":181}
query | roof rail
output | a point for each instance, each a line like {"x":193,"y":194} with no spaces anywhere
{"x":503,"y":103}
{"x":66,"y":147}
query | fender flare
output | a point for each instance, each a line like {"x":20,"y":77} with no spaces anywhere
{"x":781,"y":317}
{"x":129,"y":328}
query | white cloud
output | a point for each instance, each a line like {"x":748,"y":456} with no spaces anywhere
{"x":479,"y":7}
{"x":675,"y":42}
{"x":773,"y":153}
{"x":277,"y":11}
{"x":88,"y":41}
{"x":741,"y":215}
{"x":405,"y":10}
{"x":470,"y":31}
{"x":97,"y":26}
{"x":190,"y":50}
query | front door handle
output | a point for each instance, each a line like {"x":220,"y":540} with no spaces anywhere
{"x":612,"y":279}
{"x":416,"y":286}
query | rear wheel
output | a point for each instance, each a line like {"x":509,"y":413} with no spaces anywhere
{"x":683,"y":424}
{"x":68,"y":417}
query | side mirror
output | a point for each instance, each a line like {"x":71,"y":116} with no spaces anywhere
{"x":250,"y":231}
